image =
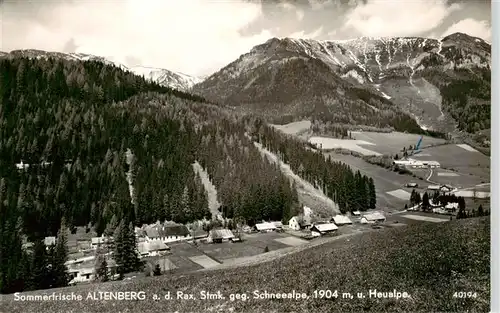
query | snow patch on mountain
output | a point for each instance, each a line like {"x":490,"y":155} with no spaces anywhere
{"x":166,"y":78}
{"x":354,"y":74}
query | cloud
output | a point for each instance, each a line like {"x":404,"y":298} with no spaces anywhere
{"x":70,"y":46}
{"x":311,"y":35}
{"x":193,"y":36}
{"x":472,"y":27}
{"x":379,"y":18}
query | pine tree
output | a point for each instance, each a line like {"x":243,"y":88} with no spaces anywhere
{"x":425,"y":202}
{"x":40,"y":278}
{"x":119,"y":249}
{"x":157,"y":270}
{"x":480,"y":210}
{"x":60,"y":256}
{"x":373,"y":194}
{"x":101,"y":265}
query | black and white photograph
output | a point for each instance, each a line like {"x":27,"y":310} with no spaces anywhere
{"x":246,"y":156}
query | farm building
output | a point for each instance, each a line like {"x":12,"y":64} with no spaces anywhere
{"x":434,"y":187}
{"x":174,"y":232}
{"x":220,"y":235}
{"x":412,"y":185}
{"x":265,"y":227}
{"x":451,"y":207}
{"x":152,"y":248}
{"x":323,"y":229}
{"x":341,"y":220}
{"x":356,"y":213}
{"x":278,"y":224}
{"x":372,"y":218}
{"x":167,"y":233}
{"x":417,"y":163}
{"x":297,"y":223}
{"x":96,"y":241}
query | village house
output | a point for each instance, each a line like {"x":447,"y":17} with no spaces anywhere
{"x":221,"y":235}
{"x":297,"y":223}
{"x":265,"y":227}
{"x":371,"y":218}
{"x":81,"y":275}
{"x":321,"y":229}
{"x":341,"y":220}
{"x":152,"y":248}
{"x":99,"y":241}
{"x":169,"y":232}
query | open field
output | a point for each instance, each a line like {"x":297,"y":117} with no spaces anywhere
{"x":429,"y":261}
{"x":425,"y":218}
{"x":327,"y":143}
{"x":204,"y":261}
{"x":252,"y":244}
{"x":385,"y":180}
{"x":391,"y":143}
{"x":295,"y":128}
{"x":291,"y":241}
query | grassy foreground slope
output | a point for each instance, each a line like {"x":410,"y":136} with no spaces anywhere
{"x":428,"y":261}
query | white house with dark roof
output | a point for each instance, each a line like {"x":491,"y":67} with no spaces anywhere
{"x":321,"y":229}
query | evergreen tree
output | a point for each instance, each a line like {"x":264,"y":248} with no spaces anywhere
{"x":119,"y":249}
{"x":480,"y":210}
{"x":425,"y":202}
{"x":40,"y":278}
{"x":157,"y":270}
{"x":373,"y":195}
{"x":59,"y":258}
{"x":101,"y":265}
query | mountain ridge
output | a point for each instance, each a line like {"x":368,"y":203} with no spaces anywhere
{"x":394,"y":68}
{"x":161,"y":76}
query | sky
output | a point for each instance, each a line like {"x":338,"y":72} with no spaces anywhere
{"x":199,"y":37}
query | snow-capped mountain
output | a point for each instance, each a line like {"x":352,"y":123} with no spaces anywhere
{"x":400,"y":69}
{"x":163,"y":77}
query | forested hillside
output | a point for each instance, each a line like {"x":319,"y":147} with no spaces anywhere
{"x":467,"y":97}
{"x":350,"y":190}
{"x":99,"y":144}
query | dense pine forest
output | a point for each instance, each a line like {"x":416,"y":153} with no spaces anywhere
{"x":99,"y":145}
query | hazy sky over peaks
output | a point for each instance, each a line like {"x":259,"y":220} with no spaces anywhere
{"x":198,"y":37}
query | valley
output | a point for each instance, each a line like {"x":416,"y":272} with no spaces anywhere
{"x":111,"y":174}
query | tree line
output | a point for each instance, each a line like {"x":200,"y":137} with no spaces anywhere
{"x":350,"y":190}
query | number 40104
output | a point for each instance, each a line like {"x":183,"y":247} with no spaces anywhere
{"x":464,"y":294}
